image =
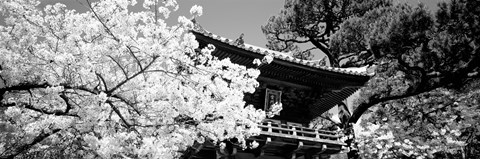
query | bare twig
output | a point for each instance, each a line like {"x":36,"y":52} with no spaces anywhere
{"x":100,"y":20}
{"x":120,"y":66}
{"x":115,"y":109}
{"x":135,"y":57}
{"x":127,"y":124}
{"x":132,"y":105}
{"x":131,"y":77}
{"x":66,"y":100}
{"x":102,"y":79}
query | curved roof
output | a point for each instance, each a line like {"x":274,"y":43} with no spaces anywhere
{"x":335,"y":84}
{"x":282,"y":56}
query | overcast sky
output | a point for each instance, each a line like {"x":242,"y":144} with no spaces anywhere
{"x":230,"y":18}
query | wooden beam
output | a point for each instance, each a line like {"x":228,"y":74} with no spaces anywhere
{"x":275,"y":81}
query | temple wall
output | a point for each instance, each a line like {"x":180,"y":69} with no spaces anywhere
{"x":295,"y":101}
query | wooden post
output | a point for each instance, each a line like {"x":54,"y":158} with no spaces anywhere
{"x":269,"y":125}
{"x":266,"y":146}
{"x":234,"y":151}
{"x":294,"y":131}
{"x":324,"y":148}
{"x":293,"y":154}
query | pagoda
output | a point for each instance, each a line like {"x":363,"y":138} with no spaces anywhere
{"x":305,"y":89}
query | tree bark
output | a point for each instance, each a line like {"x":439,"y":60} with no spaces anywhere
{"x":332,"y":60}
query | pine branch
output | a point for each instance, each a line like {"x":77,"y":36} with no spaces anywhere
{"x":332,"y":60}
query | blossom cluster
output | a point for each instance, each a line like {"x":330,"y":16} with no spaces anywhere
{"x":274,"y":109}
{"x":115,"y":83}
{"x":421,"y":126}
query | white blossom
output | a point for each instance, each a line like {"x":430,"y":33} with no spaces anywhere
{"x":254,"y":144}
{"x":222,"y":145}
{"x":267,"y":59}
{"x":196,"y":10}
{"x":274,"y":109}
{"x":257,"y":62}
{"x":164,"y":11}
{"x":100,"y":82}
{"x":184,"y":22}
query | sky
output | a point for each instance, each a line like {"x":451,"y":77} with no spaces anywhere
{"x":228,"y":18}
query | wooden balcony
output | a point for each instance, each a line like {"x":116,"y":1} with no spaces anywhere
{"x":292,"y":140}
{"x":296,"y":131}
{"x":281,"y":140}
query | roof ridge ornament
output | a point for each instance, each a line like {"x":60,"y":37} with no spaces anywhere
{"x":239,"y":41}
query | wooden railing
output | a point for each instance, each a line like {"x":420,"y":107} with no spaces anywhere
{"x":290,"y":140}
{"x":295,"y":131}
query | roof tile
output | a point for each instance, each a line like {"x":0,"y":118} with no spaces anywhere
{"x":279,"y":55}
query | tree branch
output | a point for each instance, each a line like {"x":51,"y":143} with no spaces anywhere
{"x":100,"y":20}
{"x":120,"y":66}
{"x":347,"y":56}
{"x":127,"y":124}
{"x":42,"y":136}
{"x":56,"y":112}
{"x":103,"y":80}
{"x":277,"y":36}
{"x":362,"y":108}
{"x":126,"y":102}
{"x":333,"y":62}
{"x":25,"y":86}
{"x":109,"y":92}
{"x":66,"y":100}
{"x":115,"y":109}
{"x":135,"y":57}
{"x":422,"y":87}
{"x":22,"y":86}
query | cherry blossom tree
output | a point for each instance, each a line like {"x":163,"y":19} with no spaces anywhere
{"x":111,"y":83}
